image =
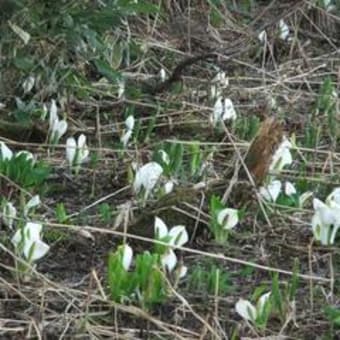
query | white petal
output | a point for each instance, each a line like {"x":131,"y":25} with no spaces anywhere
{"x":261,"y":302}
{"x":38,"y":248}
{"x":121,"y":89}
{"x":6,"y":152}
{"x":218,"y":111}
{"x":333,"y":234}
{"x":289,"y":189}
{"x":229,"y":111}
{"x":165,"y":157}
{"x":148,"y":176}
{"x":127,"y":256}
{"x":262,"y":36}
{"x":60,"y":128}
{"x":33,"y":202}
{"x":28,"y":84}
{"x":71,"y":147}
{"x":162,"y":74}
{"x":126,"y":137}
{"x":182,"y":272}
{"x":81,"y":141}
{"x":29,"y":155}
{"x":130,"y":122}
{"x":169,"y":260}
{"x":272,"y":191}
{"x":284,"y":30}
{"x":17,"y":237}
{"x":334,"y":196}
{"x":161,"y":230}
{"x":179,"y":235}
{"x":168,"y":187}
{"x":32,"y":231}
{"x":53,"y":113}
{"x":9,"y":213}
{"x":246,"y":310}
{"x":228,"y":218}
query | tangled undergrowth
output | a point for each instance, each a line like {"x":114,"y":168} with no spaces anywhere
{"x":169,"y":169}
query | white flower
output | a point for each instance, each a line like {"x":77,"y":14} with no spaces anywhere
{"x":9,"y":213}
{"x":129,"y":123}
{"x":168,"y":187}
{"x":290,"y":189}
{"x":165,"y":157}
{"x":334,"y":196}
{"x":262,"y":36}
{"x":325,"y":221}
{"x":33,"y":202}
{"x":223,"y":110}
{"x":29,"y":238}
{"x":182,"y":271}
{"x":127,"y":256}
{"x":57,"y":127}
{"x":29,"y":155}
{"x":221,"y":79}
{"x":283,"y":30}
{"x":248,"y":311}
{"x":228,"y":218}
{"x":176,"y":236}
{"x":162,"y":74}
{"x":147,"y":177}
{"x":169,"y":260}
{"x":282,"y":156}
{"x":23,"y":35}
{"x":272,"y":191}
{"x":121,"y":89}
{"x":6,"y":152}
{"x":28,"y":84}
{"x":76,"y":152}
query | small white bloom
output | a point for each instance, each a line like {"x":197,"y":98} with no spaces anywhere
{"x":129,"y":123}
{"x":168,"y":187}
{"x":325,"y":221}
{"x":9,"y":213}
{"x":29,"y":237}
{"x":76,"y":152}
{"x":127,"y":256}
{"x":165,"y":157}
{"x":182,"y":271}
{"x":271,"y":191}
{"x":246,"y":310}
{"x":221,"y":79}
{"x":169,"y":260}
{"x":228,"y":218}
{"x":283,"y":30}
{"x":33,"y":202}
{"x":121,"y":89}
{"x":71,"y":146}
{"x":162,"y":74}
{"x":6,"y":152}
{"x":29,"y":155}
{"x":57,"y":127}
{"x":229,"y":111}
{"x":28,"y":84}
{"x":223,"y":110}
{"x":290,"y":189}
{"x":177,"y":235}
{"x":262,"y":36}
{"x":334,"y":196}
{"x":282,"y":156}
{"x":147,"y":177}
